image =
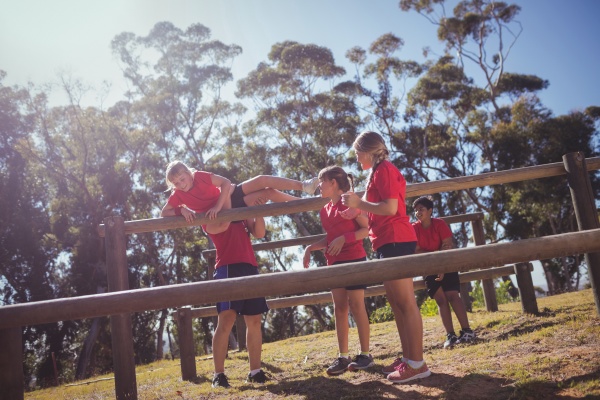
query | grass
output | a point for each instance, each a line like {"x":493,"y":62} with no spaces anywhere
{"x":516,"y":356}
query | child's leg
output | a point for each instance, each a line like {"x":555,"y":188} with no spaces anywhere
{"x":356,"y":298}
{"x":410,"y":317}
{"x":459,"y":308}
{"x":220,"y":342}
{"x":444,"y":309}
{"x":254,"y":340}
{"x":340,"y":306}
{"x":265,"y":195}
{"x":267,"y":181}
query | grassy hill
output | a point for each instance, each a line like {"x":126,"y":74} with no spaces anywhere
{"x":516,"y":356}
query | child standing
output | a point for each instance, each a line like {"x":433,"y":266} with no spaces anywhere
{"x":434,"y":234}
{"x":235,"y":258}
{"x":391,"y":235}
{"x":199,"y":191}
{"x":343,"y":244}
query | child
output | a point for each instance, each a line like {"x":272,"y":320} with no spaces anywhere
{"x":235,"y":258}
{"x":391,"y":235}
{"x":199,"y":191}
{"x":434,"y":234}
{"x":343,"y":244}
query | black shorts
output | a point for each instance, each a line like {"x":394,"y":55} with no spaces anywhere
{"x":398,"y":249}
{"x":237,"y":197}
{"x":450,"y":283}
{"x":355,"y":287}
{"x":242,"y":307}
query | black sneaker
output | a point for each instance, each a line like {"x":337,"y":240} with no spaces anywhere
{"x":259,"y":377}
{"x":339,"y":366}
{"x":361,"y":361}
{"x":451,"y":340}
{"x":466,"y":335}
{"x":220,"y":381}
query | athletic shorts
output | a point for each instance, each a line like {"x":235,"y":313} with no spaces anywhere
{"x":237,"y":197}
{"x":397,"y":249}
{"x":355,"y":287}
{"x":450,"y":283}
{"x":242,"y":307}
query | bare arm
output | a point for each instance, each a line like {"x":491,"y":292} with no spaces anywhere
{"x":384,"y":207}
{"x":318,"y":245}
{"x":225,"y":185}
{"x":336,"y":245}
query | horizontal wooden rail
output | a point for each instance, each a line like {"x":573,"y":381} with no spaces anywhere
{"x":296,"y":282}
{"x":305,"y":240}
{"x":315,"y":203}
{"x":325,"y":297}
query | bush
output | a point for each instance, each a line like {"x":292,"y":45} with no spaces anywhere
{"x":382,"y":314}
{"x":429,"y":308}
{"x":502,"y":295}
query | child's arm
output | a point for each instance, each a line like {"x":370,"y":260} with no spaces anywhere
{"x":225,"y":185}
{"x":336,"y":245}
{"x":257,"y":227}
{"x":384,"y":207}
{"x":319,"y":245}
{"x":170,"y":211}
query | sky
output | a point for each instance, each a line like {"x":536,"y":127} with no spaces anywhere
{"x":42,"y":39}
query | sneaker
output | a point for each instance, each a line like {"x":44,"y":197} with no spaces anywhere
{"x":451,"y":340}
{"x":361,"y":361}
{"x":339,"y":366}
{"x":388,"y":369}
{"x":405,"y":373}
{"x":259,"y":377}
{"x":466,"y":335}
{"x":220,"y":381}
{"x":310,"y":185}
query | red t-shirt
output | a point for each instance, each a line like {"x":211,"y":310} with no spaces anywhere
{"x":201,"y":197}
{"x":388,"y":183}
{"x":430,"y":239}
{"x":335,"y":225}
{"x":233,"y":246}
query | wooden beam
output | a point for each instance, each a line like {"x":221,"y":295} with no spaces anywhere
{"x":295,"y":282}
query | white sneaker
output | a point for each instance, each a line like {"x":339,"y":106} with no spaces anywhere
{"x":310,"y":185}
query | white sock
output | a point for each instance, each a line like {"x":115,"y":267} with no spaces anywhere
{"x":254,"y":372}
{"x":415,"y":364}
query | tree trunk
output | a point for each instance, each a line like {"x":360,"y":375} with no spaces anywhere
{"x":159,"y":334}
{"x":85,"y":355}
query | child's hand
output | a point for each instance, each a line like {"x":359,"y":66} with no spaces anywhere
{"x":188,"y":214}
{"x":335,"y":247}
{"x":350,"y":199}
{"x":306,"y":259}
{"x":439,"y":277}
{"x":350,"y":213}
{"x":212,"y":213}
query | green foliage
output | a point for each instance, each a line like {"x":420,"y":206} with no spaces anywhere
{"x":502,"y":294}
{"x":429,"y":308}
{"x":382,"y":314}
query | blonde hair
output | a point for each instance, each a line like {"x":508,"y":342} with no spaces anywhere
{"x":373,"y":144}
{"x":345,"y":181}
{"x":175,"y":168}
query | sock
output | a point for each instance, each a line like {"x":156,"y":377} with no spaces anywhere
{"x":415,"y":364}
{"x":218,"y":373}
{"x":345,"y":355}
{"x":254,"y":372}
{"x":364,"y":353}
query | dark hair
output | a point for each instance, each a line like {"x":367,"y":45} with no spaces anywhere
{"x":425,"y":201}
{"x":345,"y":181}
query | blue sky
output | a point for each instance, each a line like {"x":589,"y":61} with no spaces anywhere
{"x":40,"y":39}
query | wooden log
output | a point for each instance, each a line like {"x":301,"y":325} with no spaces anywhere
{"x":585,"y":211}
{"x":526,"y":290}
{"x":120,"y":324}
{"x":312,"y":204}
{"x":186,"y":344}
{"x":295,"y":282}
{"x":379,"y":290}
{"x":12,"y":379}
{"x":489,"y":291}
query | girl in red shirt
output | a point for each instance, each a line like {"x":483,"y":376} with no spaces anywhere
{"x":195,"y":192}
{"x":343,"y":244}
{"x":434,"y":234}
{"x":391,"y":235}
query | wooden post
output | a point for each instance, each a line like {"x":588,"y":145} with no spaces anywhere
{"x":12,"y":379}
{"x":120,"y":325}
{"x":585,"y":211}
{"x":465,"y":289}
{"x":186,"y":344}
{"x":526,"y":290}
{"x":489,"y":291}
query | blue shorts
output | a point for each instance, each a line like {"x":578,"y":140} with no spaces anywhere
{"x":355,"y":287}
{"x":397,"y":249}
{"x":242,"y":307}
